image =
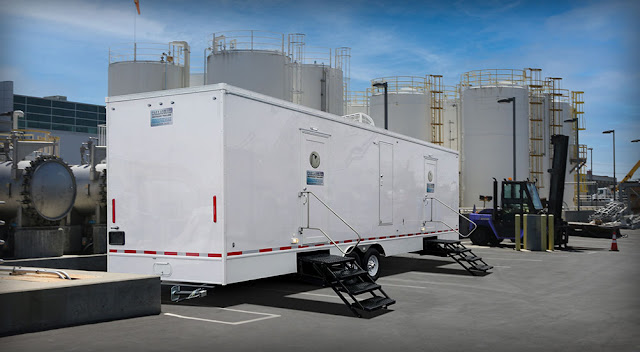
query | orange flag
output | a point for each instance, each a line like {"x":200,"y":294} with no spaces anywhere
{"x":137,"y":5}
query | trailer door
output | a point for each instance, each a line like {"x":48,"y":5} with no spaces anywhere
{"x":314,"y":167}
{"x":386,"y":183}
{"x":430,"y":185}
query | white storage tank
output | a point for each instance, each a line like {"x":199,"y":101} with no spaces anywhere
{"x":487,"y":132}
{"x":322,"y":88}
{"x":253,"y":60}
{"x":147,"y":67}
{"x":408,"y":103}
{"x":450,"y":119}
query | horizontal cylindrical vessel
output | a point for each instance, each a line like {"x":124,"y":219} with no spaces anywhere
{"x":45,"y":189}
{"x":91,"y":193}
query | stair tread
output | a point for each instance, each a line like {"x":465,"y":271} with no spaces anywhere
{"x":348,"y":273}
{"x":327,"y":259}
{"x":442,"y":241}
{"x":471,"y":258}
{"x":458,"y":250}
{"x":482,"y":267}
{"x":374,"y":303}
{"x":360,"y":287}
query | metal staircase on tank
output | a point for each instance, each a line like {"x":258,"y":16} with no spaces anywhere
{"x":456,"y":250}
{"x":347,"y":279}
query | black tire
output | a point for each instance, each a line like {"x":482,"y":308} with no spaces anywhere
{"x":493,"y":240}
{"x":480,"y":237}
{"x":371,"y":263}
{"x":357,"y":255}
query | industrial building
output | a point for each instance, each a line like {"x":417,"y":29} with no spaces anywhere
{"x":72,"y":123}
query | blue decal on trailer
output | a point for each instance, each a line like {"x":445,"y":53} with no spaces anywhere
{"x":315,"y":178}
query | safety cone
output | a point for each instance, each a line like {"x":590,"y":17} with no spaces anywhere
{"x":614,"y":243}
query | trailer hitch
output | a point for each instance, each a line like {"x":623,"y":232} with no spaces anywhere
{"x":177,"y":295}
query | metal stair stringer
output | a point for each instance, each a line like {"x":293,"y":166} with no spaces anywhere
{"x":458,"y":252}
{"x":348,"y":280}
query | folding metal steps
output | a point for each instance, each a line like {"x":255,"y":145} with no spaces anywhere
{"x":461,"y":254}
{"x":347,"y":279}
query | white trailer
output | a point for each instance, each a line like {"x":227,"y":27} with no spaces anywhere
{"x":221,"y":185}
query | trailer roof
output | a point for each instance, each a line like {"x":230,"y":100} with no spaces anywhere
{"x":229,"y":89}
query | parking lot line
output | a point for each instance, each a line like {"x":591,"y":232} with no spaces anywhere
{"x":266,"y":316}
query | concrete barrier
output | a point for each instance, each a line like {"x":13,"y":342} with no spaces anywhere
{"x":50,"y":302}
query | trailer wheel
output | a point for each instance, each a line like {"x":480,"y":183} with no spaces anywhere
{"x":357,"y":255}
{"x":371,"y":263}
{"x":480,"y":237}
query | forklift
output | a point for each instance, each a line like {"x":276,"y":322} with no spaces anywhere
{"x":521,"y":197}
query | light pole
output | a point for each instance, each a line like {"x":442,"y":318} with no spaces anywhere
{"x":615,"y":182}
{"x":386,"y":105}
{"x":591,"y":167}
{"x":577,"y":154}
{"x":513,"y":101}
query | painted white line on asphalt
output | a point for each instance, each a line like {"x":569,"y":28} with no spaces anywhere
{"x":470,"y":287}
{"x":266,"y":316}
{"x":519,"y":259}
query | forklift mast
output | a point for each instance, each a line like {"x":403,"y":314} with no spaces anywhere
{"x":558,"y":169}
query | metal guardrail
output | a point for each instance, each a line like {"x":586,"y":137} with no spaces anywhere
{"x":459,"y":214}
{"x":494,"y":77}
{"x":247,"y":40}
{"x":169,"y":53}
{"x":402,"y":84}
{"x":308,"y":202}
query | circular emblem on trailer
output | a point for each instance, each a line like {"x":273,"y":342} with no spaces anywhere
{"x":314,"y":160}
{"x":430,"y":176}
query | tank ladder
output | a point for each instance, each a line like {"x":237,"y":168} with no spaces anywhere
{"x":347,"y":279}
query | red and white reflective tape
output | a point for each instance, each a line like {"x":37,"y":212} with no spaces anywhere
{"x":263,"y":250}
{"x":178,"y":254}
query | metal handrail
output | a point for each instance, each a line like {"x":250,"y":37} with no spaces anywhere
{"x":334,"y":213}
{"x":19,"y":271}
{"x":457,"y":212}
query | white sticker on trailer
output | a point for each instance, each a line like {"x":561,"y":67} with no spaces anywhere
{"x":161,"y":117}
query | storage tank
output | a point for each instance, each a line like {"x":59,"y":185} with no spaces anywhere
{"x":253,"y":60}
{"x":147,"y":67}
{"x":42,"y":191}
{"x":450,"y":119}
{"x":487,"y":132}
{"x":409,"y":110}
{"x":322,"y":88}
{"x":92,"y":189}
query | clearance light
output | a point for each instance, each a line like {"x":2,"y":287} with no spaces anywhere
{"x":510,"y":179}
{"x":294,"y":240}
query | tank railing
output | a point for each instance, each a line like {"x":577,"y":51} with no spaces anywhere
{"x":307,"y":201}
{"x":358,"y":98}
{"x":148,"y":52}
{"x":402,"y":84}
{"x":315,"y":55}
{"x":494,"y":77}
{"x":475,"y":226}
{"x":21,"y":271}
{"x":247,"y":40}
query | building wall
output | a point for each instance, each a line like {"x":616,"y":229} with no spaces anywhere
{"x":57,"y":115}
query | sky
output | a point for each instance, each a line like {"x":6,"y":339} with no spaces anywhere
{"x":61,"y":47}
